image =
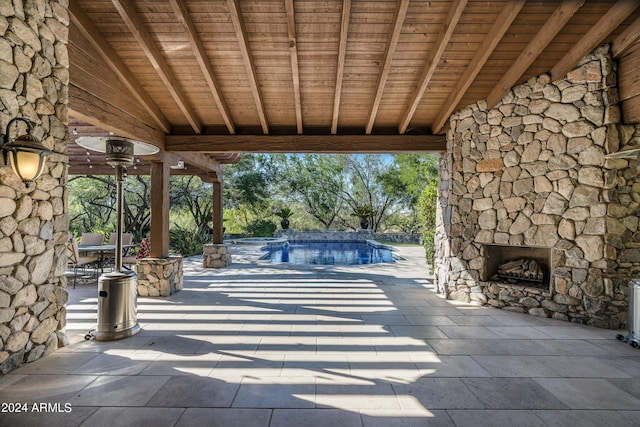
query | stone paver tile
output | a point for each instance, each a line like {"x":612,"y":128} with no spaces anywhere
{"x":613,"y":347}
{"x":118,"y":391}
{"x":444,"y":310}
{"x":176,"y":344}
{"x":45,"y":388}
{"x":474,"y":332}
{"x":424,"y":320}
{"x":356,"y":397}
{"x":192,"y":391}
{"x":630,"y":365}
{"x":385,"y":319}
{"x":630,"y":385}
{"x":588,"y":418}
{"x":56,"y":363}
{"x":475,"y":321}
{"x":450,"y":366}
{"x":248,"y":365}
{"x":580,"y":366}
{"x":518,"y":332}
{"x":270,"y":394}
{"x":418,"y":331}
{"x":66,"y":416}
{"x":513,"y":418}
{"x":515,"y":366}
{"x":557,"y":347}
{"x":487,"y":347}
{"x":182,"y":364}
{"x":436,"y":393}
{"x":589,"y":393}
{"x":406,"y":418}
{"x":518,"y":319}
{"x":113,"y":364}
{"x":574,"y":332}
{"x":139,"y":417}
{"x":513,"y":393}
{"x":314,"y":418}
{"x":224,"y":417}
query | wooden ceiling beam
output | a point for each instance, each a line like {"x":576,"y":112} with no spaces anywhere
{"x":305,"y":143}
{"x":626,"y":39}
{"x":540,"y":41}
{"x":295,"y":71}
{"x":342,"y":53}
{"x":454,"y":14}
{"x":596,"y":35}
{"x":241,"y":35}
{"x":137,"y":28}
{"x":394,"y":36}
{"x":91,"y":33}
{"x":499,"y":28}
{"x":180,"y":9}
{"x":88,"y":108}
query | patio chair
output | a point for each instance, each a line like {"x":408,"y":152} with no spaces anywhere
{"x":91,"y":239}
{"x":75,"y":261}
{"x":127,"y":239}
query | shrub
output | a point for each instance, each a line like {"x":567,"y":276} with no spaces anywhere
{"x":189,"y":241}
{"x":427,"y":204}
{"x":261,"y":228}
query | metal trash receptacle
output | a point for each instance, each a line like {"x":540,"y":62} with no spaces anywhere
{"x":633,"y":337}
{"x":117,"y":306}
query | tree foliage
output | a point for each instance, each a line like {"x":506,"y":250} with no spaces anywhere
{"x":320,"y":191}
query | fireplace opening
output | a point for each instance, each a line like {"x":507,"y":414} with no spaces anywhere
{"x":518,"y":265}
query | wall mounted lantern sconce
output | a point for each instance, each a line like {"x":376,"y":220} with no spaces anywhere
{"x":26,"y":154}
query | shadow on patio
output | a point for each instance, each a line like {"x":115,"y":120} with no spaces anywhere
{"x":261,"y":345}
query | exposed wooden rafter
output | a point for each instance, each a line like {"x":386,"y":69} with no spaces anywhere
{"x":342,"y":53}
{"x":295,"y":71}
{"x":241,"y":35}
{"x":394,"y":36}
{"x":306,"y":143}
{"x":137,"y":28}
{"x":180,"y":9}
{"x":91,"y":33}
{"x":614,"y":17}
{"x":455,"y":12}
{"x":549,"y":30}
{"x":499,"y":28}
{"x":626,"y":39}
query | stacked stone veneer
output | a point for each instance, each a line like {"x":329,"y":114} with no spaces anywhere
{"x":159,"y":277}
{"x":216,"y":255}
{"x":532,"y":172}
{"x":33,"y":222}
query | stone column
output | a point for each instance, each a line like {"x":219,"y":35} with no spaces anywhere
{"x":159,"y":277}
{"x":34,"y":78}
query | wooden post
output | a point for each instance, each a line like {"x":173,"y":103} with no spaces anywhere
{"x":218,"y":208}
{"x":160,"y":173}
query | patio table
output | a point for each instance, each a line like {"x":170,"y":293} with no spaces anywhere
{"x":102,"y":249}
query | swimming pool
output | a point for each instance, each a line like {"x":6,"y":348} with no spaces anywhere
{"x":329,"y":253}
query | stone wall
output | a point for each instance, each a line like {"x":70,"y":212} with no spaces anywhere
{"x":532,"y":172}
{"x":34,"y":78}
{"x":159,"y":277}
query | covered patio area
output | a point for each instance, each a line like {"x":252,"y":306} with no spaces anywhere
{"x":258,"y":344}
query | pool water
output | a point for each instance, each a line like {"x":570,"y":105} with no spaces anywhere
{"x":328,"y":253}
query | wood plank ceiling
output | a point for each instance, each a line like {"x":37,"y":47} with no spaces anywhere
{"x":208,"y":79}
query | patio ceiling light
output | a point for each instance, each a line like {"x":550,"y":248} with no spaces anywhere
{"x":26,"y":154}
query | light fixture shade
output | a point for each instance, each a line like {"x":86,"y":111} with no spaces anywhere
{"x":27,"y":157}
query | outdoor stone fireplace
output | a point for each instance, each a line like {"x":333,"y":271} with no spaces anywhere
{"x":522,"y":265}
{"x":528,"y":179}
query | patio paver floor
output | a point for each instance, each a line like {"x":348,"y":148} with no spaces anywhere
{"x":262,"y":345}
